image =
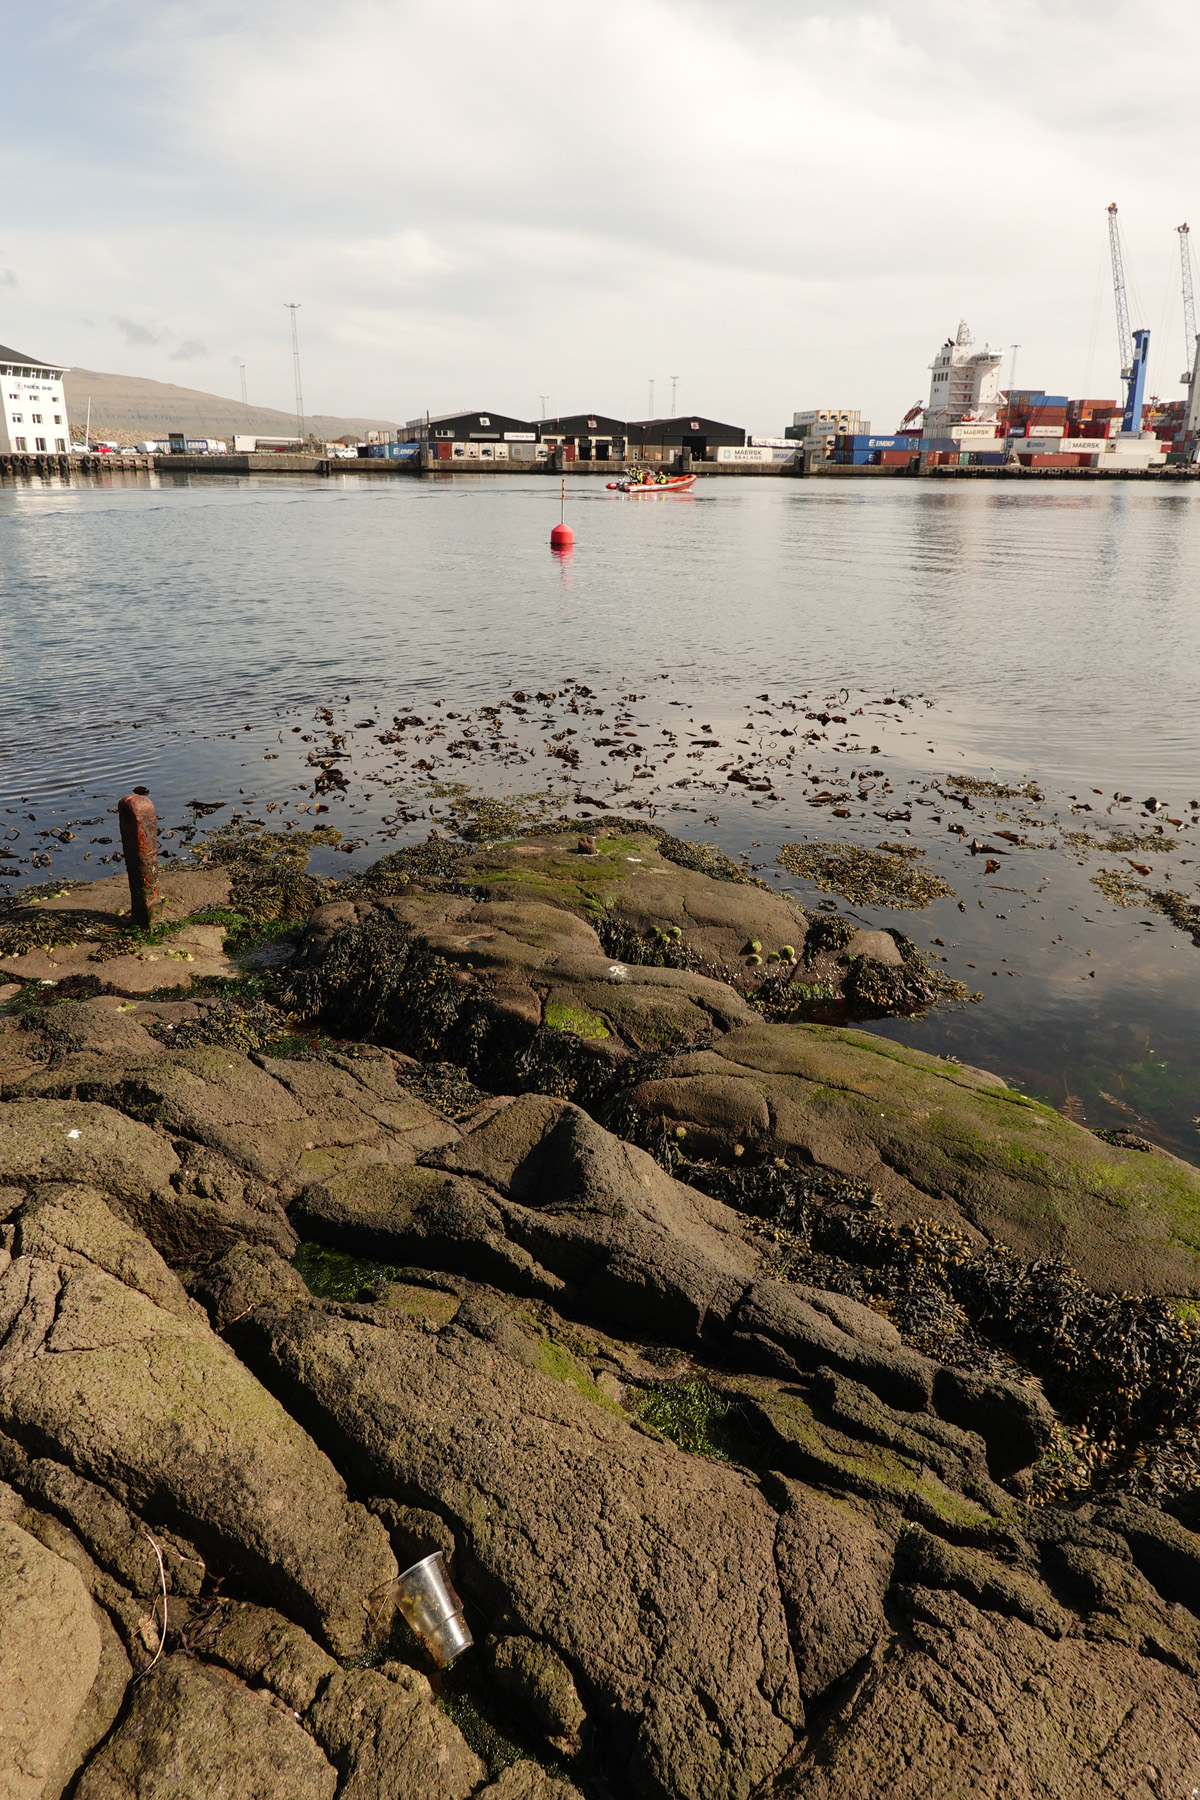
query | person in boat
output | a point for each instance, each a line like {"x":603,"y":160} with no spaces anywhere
{"x":661,"y":479}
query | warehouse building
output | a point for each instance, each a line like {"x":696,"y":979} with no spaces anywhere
{"x":33,"y":406}
{"x":661,"y":440}
{"x":585,"y":437}
{"x":474,"y":437}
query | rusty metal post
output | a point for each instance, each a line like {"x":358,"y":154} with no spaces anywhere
{"x":139,"y":841}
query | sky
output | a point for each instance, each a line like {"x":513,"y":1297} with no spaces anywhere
{"x":536,"y":207}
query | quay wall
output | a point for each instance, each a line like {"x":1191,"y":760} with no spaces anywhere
{"x":46,"y":466}
{"x":72,"y":463}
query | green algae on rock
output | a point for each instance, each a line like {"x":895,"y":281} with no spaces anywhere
{"x":937,"y":1139}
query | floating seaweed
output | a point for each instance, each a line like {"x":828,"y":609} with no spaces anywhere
{"x":995,"y":790}
{"x":865,"y":877}
{"x":1121,"y":889}
{"x":477,"y":817}
{"x":1117,"y":843}
{"x":1180,"y":910}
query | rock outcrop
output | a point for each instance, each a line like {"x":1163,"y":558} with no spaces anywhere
{"x":278,"y":1321}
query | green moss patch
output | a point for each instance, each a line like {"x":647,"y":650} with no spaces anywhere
{"x":691,"y":1413}
{"x":556,"y":1360}
{"x":339,"y":1275}
{"x":575,"y":1019}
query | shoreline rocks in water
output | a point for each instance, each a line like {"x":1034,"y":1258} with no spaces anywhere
{"x":688,"y":1337}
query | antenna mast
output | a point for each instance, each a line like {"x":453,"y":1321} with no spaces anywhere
{"x":293,"y":307}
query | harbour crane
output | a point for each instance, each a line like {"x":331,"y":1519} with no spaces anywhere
{"x":1134,"y":345}
{"x":1190,"y":378}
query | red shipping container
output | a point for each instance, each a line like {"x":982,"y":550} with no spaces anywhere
{"x":895,"y":459}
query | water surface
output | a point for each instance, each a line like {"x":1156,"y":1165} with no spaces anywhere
{"x":172,"y":632}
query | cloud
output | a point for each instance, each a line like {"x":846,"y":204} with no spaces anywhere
{"x":139,"y":336}
{"x":791,"y":202}
{"x":9,"y":278}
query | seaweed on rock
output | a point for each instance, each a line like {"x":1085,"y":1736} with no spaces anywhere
{"x":1124,"y":1370}
{"x":267,"y":869}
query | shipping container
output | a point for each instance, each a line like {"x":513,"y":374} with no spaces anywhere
{"x":1051,"y":459}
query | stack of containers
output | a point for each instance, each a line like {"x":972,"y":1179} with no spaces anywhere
{"x":1093,"y":418}
{"x":860,"y":449}
{"x":1036,"y":418}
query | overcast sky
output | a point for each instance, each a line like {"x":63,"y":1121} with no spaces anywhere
{"x":784,"y":203}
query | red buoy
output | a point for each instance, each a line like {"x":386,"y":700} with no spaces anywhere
{"x":562,"y":537}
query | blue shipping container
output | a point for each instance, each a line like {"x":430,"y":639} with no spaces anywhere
{"x":847,"y":441}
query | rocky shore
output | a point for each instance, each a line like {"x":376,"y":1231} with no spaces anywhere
{"x":797,"y":1414}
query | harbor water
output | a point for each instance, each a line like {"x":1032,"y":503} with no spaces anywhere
{"x":855,"y":645}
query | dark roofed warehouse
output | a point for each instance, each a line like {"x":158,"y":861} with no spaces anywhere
{"x":658,"y":439}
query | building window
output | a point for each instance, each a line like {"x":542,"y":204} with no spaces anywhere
{"x":21,"y":444}
{"x":60,"y":443}
{"x":39,"y":443}
{"x":58,"y":418}
{"x":37,"y":418}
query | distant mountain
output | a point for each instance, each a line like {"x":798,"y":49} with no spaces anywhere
{"x":127,"y":408}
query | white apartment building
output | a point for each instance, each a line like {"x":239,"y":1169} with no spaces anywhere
{"x":964,"y":389}
{"x":33,"y":406}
